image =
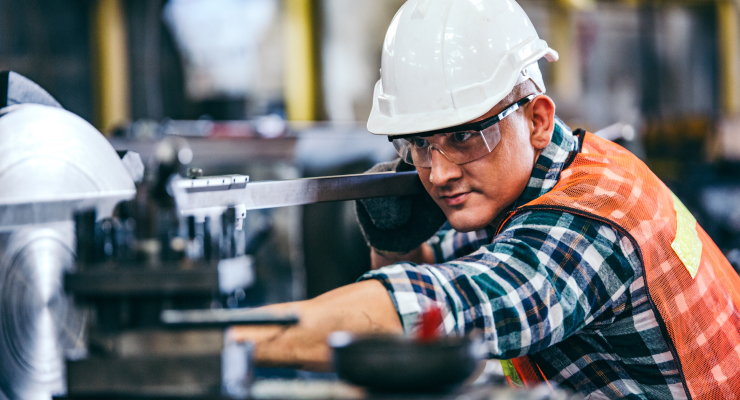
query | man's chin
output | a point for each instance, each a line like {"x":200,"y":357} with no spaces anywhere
{"x":465,"y":222}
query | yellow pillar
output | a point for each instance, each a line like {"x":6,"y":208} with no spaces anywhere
{"x":566,"y":76}
{"x":728,"y":40}
{"x":578,"y":5}
{"x":566,"y":73}
{"x":300,"y":77}
{"x":111,"y":65}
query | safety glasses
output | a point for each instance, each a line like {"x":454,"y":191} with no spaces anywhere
{"x":460,"y":144}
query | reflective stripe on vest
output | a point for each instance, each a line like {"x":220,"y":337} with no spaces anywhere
{"x":512,"y":376}
{"x":692,"y":288}
{"x":522,"y":372}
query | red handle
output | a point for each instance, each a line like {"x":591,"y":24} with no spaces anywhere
{"x":429,"y":323}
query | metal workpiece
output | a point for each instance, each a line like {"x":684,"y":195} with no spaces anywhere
{"x":224,"y":318}
{"x":38,"y":322}
{"x":294,"y":192}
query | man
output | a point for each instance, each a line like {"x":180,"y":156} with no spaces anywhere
{"x":576,"y":262}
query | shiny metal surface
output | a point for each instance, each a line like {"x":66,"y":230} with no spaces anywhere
{"x":224,"y":318}
{"x":270,"y":194}
{"x":46,"y":154}
{"x":38,"y":322}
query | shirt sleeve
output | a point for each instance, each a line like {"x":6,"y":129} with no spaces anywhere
{"x":546,"y":277}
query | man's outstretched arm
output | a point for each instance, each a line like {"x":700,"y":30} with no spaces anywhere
{"x":363,"y":307}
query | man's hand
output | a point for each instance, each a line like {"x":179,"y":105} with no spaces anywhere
{"x":363,"y":307}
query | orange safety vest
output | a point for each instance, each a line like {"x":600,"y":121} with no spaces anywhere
{"x":692,"y":288}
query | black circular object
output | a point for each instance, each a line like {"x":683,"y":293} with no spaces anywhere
{"x":401,"y":364}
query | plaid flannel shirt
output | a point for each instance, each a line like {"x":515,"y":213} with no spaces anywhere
{"x":566,"y":290}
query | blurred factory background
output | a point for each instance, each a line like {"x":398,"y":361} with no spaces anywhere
{"x":280,"y":89}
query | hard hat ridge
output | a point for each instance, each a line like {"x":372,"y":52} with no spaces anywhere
{"x":447,"y":62}
{"x":532,"y":72}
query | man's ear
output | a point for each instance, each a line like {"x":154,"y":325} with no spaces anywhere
{"x":541,"y":121}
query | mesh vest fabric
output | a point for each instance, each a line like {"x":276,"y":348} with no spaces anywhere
{"x":699,"y":315}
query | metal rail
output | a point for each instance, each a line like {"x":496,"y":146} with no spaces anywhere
{"x":222,"y":191}
{"x":222,"y":318}
{"x":272,"y":194}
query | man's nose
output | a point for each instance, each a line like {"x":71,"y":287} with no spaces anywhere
{"x":443,"y":170}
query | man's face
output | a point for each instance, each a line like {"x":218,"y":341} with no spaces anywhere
{"x":472,"y":195}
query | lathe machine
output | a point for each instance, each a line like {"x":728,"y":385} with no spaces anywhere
{"x":118,"y":281}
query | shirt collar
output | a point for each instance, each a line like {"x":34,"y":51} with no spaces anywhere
{"x":551,"y":161}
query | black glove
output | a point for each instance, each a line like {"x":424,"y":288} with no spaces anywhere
{"x":398,"y":224}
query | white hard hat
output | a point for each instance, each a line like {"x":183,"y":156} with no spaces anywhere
{"x":447,"y":62}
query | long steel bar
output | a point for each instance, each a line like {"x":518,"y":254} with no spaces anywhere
{"x":220,"y":318}
{"x":271,"y":194}
{"x":254,"y":196}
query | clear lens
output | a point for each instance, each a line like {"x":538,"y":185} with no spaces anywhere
{"x":459,"y":147}
{"x":403,"y":148}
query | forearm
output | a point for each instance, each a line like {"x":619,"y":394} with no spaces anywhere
{"x":538,"y":283}
{"x":363,"y":307}
{"x":421,"y":255}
